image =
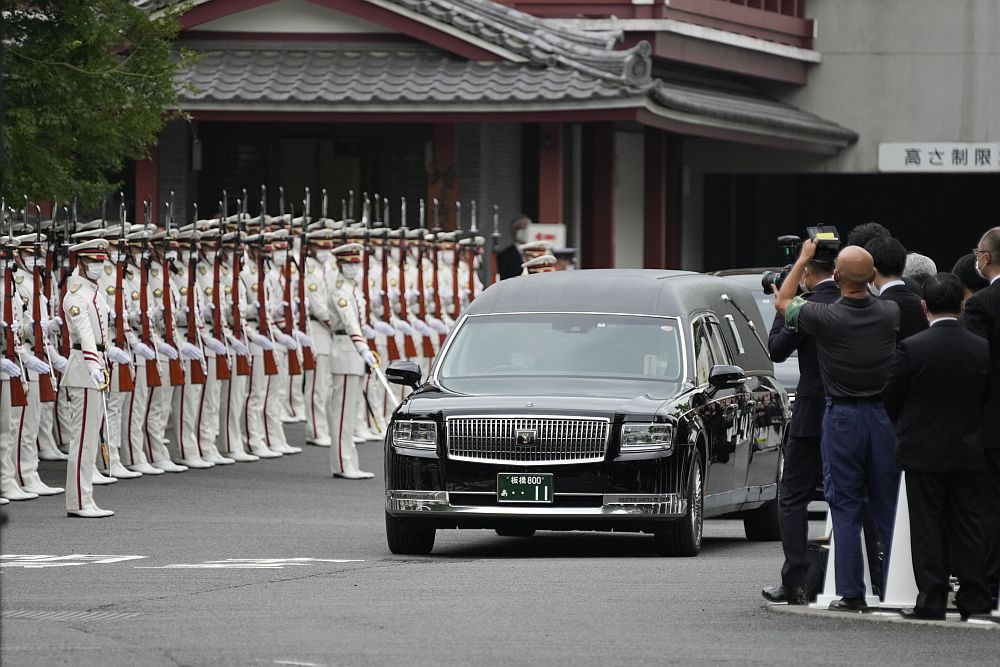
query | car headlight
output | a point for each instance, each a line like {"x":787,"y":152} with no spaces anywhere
{"x":414,"y":434}
{"x":647,"y":438}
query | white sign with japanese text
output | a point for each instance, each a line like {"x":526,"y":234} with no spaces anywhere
{"x":554,"y":234}
{"x":939,"y":157}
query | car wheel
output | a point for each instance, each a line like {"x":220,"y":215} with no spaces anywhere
{"x":405,"y":540}
{"x":683,"y":538}
{"x":761,"y":524}
{"x":515,"y":532}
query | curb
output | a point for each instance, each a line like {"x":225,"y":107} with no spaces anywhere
{"x":953,"y":620}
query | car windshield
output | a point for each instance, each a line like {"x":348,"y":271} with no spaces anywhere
{"x":565,"y":354}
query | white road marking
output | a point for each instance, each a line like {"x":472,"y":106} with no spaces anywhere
{"x":295,"y":662}
{"x":247,"y":564}
{"x":40,"y":561}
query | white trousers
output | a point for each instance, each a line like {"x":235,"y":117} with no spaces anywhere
{"x":47,"y":443}
{"x":8,"y":476}
{"x":158,"y":402}
{"x":25,"y":435}
{"x":184,"y":416}
{"x":88,"y":411}
{"x":65,"y":429}
{"x":133,"y":420}
{"x":116,"y":403}
{"x":317,"y":394}
{"x":254,"y":432}
{"x":232,"y":407}
{"x":208,"y":409}
{"x":342,"y":410}
{"x":295,"y":405}
{"x":275,"y":401}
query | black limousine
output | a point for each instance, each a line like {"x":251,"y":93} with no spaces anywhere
{"x":626,"y":400}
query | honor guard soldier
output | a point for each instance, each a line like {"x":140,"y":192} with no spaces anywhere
{"x":86,"y":375}
{"x":318,"y":381}
{"x":276,"y":402}
{"x":540,"y":264}
{"x":26,"y":418}
{"x":351,"y":356}
{"x":530,"y":251}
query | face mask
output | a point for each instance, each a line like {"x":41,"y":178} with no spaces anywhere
{"x":978,"y":270}
{"x":477,"y":262}
{"x":521,"y":235}
{"x":280,"y":257}
{"x":350,"y":271}
{"x":31,"y":262}
{"x":323,"y":256}
{"x":95,"y":270}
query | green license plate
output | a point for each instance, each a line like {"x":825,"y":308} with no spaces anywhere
{"x":523,"y":488}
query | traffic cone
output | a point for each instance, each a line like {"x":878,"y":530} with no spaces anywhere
{"x":901,"y":586}
{"x":829,"y":593}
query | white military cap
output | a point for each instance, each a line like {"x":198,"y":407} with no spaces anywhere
{"x":188,"y":234}
{"x":473,"y":240}
{"x":349,"y":252}
{"x":91,"y":249}
{"x":541,"y":264}
{"x":29,"y":239}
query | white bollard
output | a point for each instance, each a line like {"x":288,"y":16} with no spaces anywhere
{"x":901,"y":586}
{"x":829,"y":593}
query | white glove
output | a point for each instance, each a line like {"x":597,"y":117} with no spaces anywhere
{"x":286,"y":341}
{"x":166,"y":350}
{"x":437,"y":324}
{"x":215,"y":345}
{"x":118,"y":355}
{"x":36,"y":365}
{"x":143,"y":351}
{"x":8,"y":367}
{"x":54,"y":324}
{"x":16,"y":326}
{"x":412,"y":295}
{"x":111,"y":317}
{"x":368,"y":331}
{"x":155,"y":312}
{"x":263,"y":341}
{"x":189,"y":351}
{"x":97,"y":376}
{"x":369,"y":358}
{"x":404,"y":327}
{"x":58,"y":361}
{"x":239,"y":348}
{"x":304,"y":340}
{"x":422,"y":328}
{"x":394,"y":294}
{"x":384,"y":328}
{"x":429,"y":294}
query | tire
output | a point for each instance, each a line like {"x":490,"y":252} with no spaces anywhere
{"x":408,"y":541}
{"x":515,"y":532}
{"x":761,"y":524}
{"x":683,"y":538}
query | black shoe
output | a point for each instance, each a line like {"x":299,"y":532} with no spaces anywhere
{"x":918,"y":614}
{"x":856,"y":605}
{"x":789,"y":594}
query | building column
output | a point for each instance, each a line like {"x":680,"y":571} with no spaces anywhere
{"x":147,"y":186}
{"x":442,"y":176}
{"x":551,"y":161}
{"x":597,"y":197}
{"x":657,"y":200}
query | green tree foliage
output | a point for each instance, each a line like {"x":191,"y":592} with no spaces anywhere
{"x":86,"y":86}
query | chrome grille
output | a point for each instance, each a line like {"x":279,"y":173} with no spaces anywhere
{"x":557,"y":440}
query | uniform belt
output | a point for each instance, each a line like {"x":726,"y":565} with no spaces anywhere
{"x":340,"y":332}
{"x":77,"y":346}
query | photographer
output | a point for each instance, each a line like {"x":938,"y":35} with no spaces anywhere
{"x":856,"y":340}
{"x":803,"y":465}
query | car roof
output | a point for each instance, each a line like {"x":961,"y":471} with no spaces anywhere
{"x":628,"y":291}
{"x":747,"y":271}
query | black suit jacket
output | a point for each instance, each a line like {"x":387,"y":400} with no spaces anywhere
{"x":936,"y":394}
{"x":810,"y":395}
{"x":911,"y":314}
{"x":509,"y":262}
{"x":982,"y":317}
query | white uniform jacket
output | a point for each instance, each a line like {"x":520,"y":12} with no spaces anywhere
{"x":86,"y":315}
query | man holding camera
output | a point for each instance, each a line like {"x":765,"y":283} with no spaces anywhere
{"x":856,"y":339}
{"x":803,"y":466}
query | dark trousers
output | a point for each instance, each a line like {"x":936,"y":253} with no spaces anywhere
{"x":945,"y":529}
{"x":990,"y":512}
{"x":802,"y":473}
{"x":858,"y":448}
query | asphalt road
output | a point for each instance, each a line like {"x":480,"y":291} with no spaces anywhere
{"x":203,"y":593}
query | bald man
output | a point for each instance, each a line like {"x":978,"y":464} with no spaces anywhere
{"x":856,"y":339}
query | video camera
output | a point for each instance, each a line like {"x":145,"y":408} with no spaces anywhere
{"x":827,"y":246}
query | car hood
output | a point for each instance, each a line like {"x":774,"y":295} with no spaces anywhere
{"x":431,"y":402}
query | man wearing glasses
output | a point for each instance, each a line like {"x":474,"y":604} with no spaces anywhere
{"x":982,"y":317}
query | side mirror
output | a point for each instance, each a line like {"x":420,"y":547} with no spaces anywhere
{"x":726,"y":377}
{"x":406,"y":373}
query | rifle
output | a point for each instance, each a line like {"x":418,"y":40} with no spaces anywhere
{"x":438,"y":308}
{"x":409,"y":348}
{"x":494,"y":242}
{"x":365,"y":222}
{"x":46,"y":383}
{"x":67,"y":269}
{"x":242,"y":360}
{"x":146,"y":261}
{"x":198,"y":375}
{"x":456,"y":300}
{"x":18,"y":395}
{"x":421,"y":299}
{"x":473,"y":251}
{"x":222,"y":371}
{"x":308,"y":360}
{"x":294,"y":367}
{"x":176,"y":366}
{"x":386,"y":304}
{"x":125,"y":381}
{"x":270,"y":365}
